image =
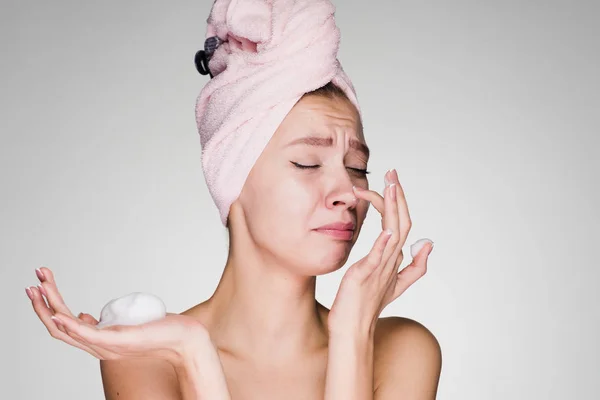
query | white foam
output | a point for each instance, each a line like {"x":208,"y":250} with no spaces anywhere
{"x":133,"y":309}
{"x":418,"y":245}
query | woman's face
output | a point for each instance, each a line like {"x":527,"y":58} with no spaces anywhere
{"x":284,"y":204}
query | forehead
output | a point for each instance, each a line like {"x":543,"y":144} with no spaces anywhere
{"x":320,"y":116}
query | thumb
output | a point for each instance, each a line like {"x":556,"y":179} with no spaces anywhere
{"x":87,"y":318}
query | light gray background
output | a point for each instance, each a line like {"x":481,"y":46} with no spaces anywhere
{"x":488,"y":110}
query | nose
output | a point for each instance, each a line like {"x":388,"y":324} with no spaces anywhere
{"x":349,"y":201}
{"x":342,"y":196}
{"x":341,"y":181}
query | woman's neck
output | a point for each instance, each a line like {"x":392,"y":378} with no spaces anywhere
{"x":263,"y":310}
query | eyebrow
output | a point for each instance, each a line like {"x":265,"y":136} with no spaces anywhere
{"x":328,"y":142}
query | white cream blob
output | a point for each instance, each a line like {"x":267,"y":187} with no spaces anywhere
{"x":418,"y":245}
{"x":133,"y":309}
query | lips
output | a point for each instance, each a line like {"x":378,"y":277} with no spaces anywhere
{"x":338,"y":226}
{"x":338,"y":230}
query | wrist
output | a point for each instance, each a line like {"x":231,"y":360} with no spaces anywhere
{"x":351,"y":343}
{"x":354,"y":333}
{"x":196,"y":341}
{"x":199,"y":370}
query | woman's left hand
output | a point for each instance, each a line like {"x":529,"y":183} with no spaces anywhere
{"x":373,"y":282}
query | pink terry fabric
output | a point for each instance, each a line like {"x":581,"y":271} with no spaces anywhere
{"x":274,"y":52}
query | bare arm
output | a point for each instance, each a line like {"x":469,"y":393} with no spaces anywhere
{"x":139,"y":379}
{"x":199,"y":376}
{"x":350,"y":368}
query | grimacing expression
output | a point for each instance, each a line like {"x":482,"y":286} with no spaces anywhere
{"x":303,"y":180}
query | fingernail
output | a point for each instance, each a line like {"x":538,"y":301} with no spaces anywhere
{"x":389,"y":232}
{"x":431,"y":249}
{"x":385,"y":178}
{"x":357,"y":188}
{"x":29,"y":294}
{"x":393,"y":191}
{"x":41,"y":288}
{"x":40,"y":274}
{"x":57,"y":321}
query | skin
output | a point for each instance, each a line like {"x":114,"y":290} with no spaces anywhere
{"x":270,"y":333}
{"x":275,"y":255}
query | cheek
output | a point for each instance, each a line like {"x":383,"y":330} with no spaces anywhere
{"x":282,"y":207}
{"x":293,"y":201}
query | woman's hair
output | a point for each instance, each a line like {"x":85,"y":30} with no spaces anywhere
{"x":333,"y":92}
{"x":330,"y":91}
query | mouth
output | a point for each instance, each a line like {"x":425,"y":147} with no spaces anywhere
{"x":338,"y":230}
{"x":337,"y":233}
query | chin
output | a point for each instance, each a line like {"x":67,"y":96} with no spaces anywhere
{"x":320,"y":269}
{"x":326,"y":260}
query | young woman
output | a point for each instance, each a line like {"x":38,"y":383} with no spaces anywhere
{"x":293,"y":212}
{"x":262,"y":334}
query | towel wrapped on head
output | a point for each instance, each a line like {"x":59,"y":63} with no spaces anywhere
{"x":271,"y":53}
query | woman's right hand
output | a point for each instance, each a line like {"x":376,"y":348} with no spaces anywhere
{"x":169,"y":338}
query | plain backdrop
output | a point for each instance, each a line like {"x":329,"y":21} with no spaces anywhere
{"x":490,"y":112}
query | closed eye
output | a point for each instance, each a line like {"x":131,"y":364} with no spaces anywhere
{"x":357,"y":170}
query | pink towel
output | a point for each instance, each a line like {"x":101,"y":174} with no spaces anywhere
{"x":274,"y":51}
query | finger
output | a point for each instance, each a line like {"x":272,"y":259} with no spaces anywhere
{"x":67,"y":323}
{"x":87,"y":318}
{"x":404,"y":216}
{"x":44,"y":312}
{"x":97,"y":351}
{"x":45,"y":315}
{"x":91,"y":335}
{"x":400,"y":219}
{"x":55,"y":300}
{"x":391,"y":219}
{"x":45,"y":297}
{"x":64,"y":321}
{"x":371,"y":196}
{"x":390,"y":222}
{"x":41,"y":309}
{"x":375,"y":257}
{"x":413,"y":271}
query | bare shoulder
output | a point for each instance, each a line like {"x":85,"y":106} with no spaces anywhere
{"x":407,"y":360}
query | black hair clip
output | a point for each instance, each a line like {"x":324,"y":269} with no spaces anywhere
{"x":203,"y":56}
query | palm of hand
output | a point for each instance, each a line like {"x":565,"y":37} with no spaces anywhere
{"x":164,"y":338}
